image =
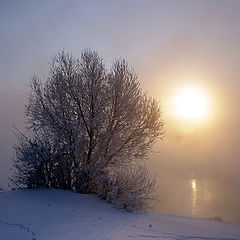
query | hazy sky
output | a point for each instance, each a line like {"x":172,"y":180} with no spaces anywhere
{"x":169,"y":43}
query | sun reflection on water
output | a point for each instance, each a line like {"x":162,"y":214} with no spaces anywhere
{"x":194,"y":196}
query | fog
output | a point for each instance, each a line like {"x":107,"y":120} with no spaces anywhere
{"x":169,"y":43}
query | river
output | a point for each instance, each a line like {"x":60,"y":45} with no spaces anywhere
{"x":199,"y":197}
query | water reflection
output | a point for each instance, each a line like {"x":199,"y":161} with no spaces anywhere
{"x":199,"y":196}
{"x":194,"y":196}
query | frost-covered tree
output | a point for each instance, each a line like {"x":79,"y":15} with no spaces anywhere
{"x":93,"y":120}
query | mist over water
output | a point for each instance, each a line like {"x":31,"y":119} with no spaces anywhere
{"x":188,"y":185}
{"x":199,"y":198}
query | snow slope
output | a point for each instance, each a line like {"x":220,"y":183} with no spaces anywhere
{"x":50,"y":214}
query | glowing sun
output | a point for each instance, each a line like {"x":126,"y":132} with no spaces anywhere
{"x":190,"y":104}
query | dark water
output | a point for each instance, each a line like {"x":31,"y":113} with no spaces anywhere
{"x":206,"y":198}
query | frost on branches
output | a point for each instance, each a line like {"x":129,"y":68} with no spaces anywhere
{"x":90,"y":128}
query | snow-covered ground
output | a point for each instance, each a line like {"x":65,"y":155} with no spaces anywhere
{"x":49,"y":214}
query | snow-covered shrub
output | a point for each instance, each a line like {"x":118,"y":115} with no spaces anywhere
{"x":30,"y":164}
{"x":130,"y":187}
{"x":82,"y":181}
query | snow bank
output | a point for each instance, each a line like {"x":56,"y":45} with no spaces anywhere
{"x":50,"y":214}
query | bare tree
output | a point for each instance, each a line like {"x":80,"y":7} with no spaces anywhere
{"x":94,"y":118}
